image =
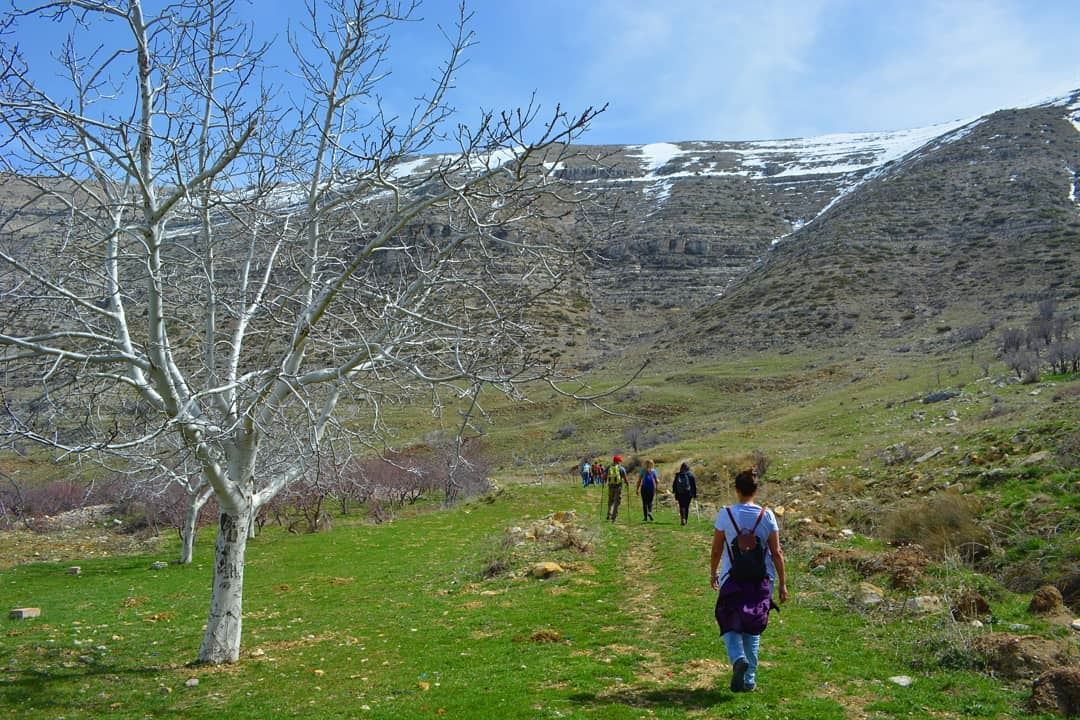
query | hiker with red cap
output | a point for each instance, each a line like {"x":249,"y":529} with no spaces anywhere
{"x":616,"y":478}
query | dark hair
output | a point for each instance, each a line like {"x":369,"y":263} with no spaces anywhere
{"x":746,"y":482}
{"x":684,"y":468}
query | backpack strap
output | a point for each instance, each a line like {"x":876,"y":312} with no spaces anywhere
{"x":727,"y":509}
{"x":731,"y":556}
{"x":758,"y":521}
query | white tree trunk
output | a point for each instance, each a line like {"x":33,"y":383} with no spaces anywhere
{"x":221,"y":643}
{"x":191,"y":523}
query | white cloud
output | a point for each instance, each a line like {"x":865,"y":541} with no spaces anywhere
{"x":686,"y":69}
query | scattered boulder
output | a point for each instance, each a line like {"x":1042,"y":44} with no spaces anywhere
{"x":927,"y":455}
{"x":970,"y":605}
{"x":901,"y":680}
{"x":1039,"y":458}
{"x":191,"y":682}
{"x":925,"y":605}
{"x":939,"y":396}
{"x":896,"y":454}
{"x":159,"y":565}
{"x":546,"y":569}
{"x":1057,"y":691}
{"x":1047,"y":600}
{"x":870,"y":595}
{"x":1020,"y":656}
{"x":74,"y":570}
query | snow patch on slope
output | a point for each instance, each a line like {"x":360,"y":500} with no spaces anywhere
{"x":1074,"y":115}
{"x":841,"y":152}
{"x":903,"y":145}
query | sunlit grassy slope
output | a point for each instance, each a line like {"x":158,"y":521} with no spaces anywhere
{"x":397,"y":621}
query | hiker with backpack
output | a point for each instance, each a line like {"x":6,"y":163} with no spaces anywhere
{"x":616,"y":478}
{"x":684,"y":488}
{"x":598,"y":472}
{"x":586,"y":473}
{"x":646,"y":487}
{"x":746,"y":558}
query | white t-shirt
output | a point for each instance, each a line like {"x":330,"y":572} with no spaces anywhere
{"x":745,"y":516}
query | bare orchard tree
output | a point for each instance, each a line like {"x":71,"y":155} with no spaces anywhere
{"x":257,"y":273}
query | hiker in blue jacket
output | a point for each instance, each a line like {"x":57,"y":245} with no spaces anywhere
{"x":646,"y":488}
{"x":746,"y":558}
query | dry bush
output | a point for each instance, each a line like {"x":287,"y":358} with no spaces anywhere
{"x":944,"y":524}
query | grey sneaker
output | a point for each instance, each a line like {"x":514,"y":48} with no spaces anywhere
{"x":738,"y":672}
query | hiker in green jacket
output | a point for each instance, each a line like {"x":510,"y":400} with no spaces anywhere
{"x":616,"y":478}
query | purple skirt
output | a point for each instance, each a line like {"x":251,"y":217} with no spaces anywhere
{"x":743,"y":606}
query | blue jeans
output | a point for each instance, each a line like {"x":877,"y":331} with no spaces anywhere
{"x":743,"y":645}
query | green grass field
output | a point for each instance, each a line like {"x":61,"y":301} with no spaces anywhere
{"x":397,"y":621}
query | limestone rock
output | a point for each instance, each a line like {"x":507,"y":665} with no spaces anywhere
{"x":74,"y":570}
{"x":159,"y":565}
{"x":901,"y":680}
{"x":926,"y":456}
{"x":870,"y":595}
{"x":1038,"y":458}
{"x":546,"y":569}
{"x":925,"y":605}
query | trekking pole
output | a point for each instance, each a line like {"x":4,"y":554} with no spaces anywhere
{"x":697,"y":509}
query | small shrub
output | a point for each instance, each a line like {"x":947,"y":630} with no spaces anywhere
{"x":944,"y":524}
{"x":566,"y":432}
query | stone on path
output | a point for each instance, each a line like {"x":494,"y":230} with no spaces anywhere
{"x":74,"y":570}
{"x":159,"y":565}
{"x":901,"y":680}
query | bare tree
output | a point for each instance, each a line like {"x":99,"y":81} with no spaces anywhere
{"x":261,"y":273}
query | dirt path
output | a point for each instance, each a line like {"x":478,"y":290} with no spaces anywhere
{"x":640,"y":563}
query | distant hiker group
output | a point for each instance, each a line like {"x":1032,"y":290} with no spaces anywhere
{"x":746,"y":560}
{"x":683,"y":487}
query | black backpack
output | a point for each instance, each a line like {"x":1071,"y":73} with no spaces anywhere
{"x":747,"y":552}
{"x":682,"y":484}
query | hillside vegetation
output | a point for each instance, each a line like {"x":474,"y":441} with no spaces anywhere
{"x":437,"y":614}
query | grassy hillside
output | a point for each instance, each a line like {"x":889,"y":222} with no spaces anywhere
{"x":435,"y":614}
{"x":398,"y":621}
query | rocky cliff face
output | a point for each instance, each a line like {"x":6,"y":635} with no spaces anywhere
{"x":821,"y":239}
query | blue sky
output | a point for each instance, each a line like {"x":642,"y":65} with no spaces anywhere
{"x":676,"y":70}
{"x":709,"y":70}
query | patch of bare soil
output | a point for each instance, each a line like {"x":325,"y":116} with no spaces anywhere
{"x":853,"y":704}
{"x":1057,"y":691}
{"x":1022,"y":656}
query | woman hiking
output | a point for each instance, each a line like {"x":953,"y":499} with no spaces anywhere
{"x":646,"y":488}
{"x":684,"y":488}
{"x":746,"y":551}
